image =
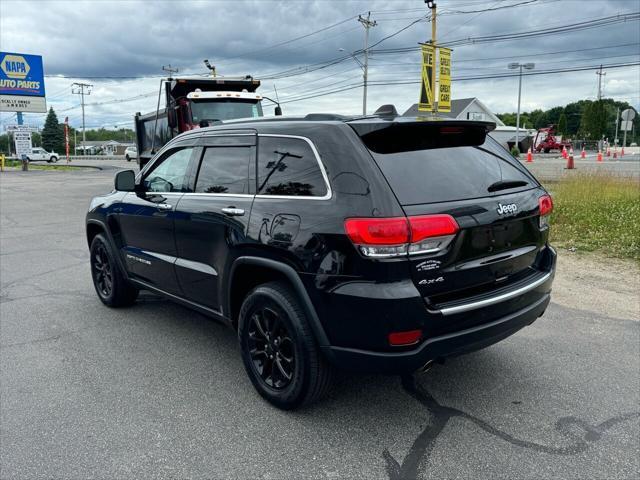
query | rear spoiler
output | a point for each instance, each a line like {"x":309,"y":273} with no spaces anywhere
{"x":400,"y":135}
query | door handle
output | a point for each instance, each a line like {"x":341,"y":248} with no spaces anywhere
{"x":164,"y":206}
{"x":233,"y":211}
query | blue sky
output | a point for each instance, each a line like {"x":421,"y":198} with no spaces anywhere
{"x":128,"y":38}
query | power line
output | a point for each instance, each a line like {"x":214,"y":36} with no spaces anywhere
{"x":606,"y":21}
{"x":527,"y":55}
{"x":462,"y":79}
{"x":566,"y":28}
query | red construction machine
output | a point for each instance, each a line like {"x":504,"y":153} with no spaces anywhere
{"x":546,"y":140}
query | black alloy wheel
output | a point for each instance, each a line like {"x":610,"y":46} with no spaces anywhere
{"x":102,"y":271}
{"x":279,"y":350}
{"x":271,"y":348}
{"x":112,"y":286}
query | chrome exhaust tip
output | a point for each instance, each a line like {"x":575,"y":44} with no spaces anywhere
{"x":426,"y":367}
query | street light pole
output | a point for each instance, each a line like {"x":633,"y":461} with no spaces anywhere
{"x":520,"y":66}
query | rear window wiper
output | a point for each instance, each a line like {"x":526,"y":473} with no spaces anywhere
{"x":505,"y":184}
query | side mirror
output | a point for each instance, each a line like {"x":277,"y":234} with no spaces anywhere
{"x":278,"y":110}
{"x":125,"y":181}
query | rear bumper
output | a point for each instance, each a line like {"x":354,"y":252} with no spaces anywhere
{"x":451,"y":344}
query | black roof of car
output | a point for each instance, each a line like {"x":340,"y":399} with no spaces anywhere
{"x":380,"y":133}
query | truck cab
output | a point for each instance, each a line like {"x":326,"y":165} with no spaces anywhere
{"x":192,"y":103}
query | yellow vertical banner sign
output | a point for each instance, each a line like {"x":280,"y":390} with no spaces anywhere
{"x":427,"y":91}
{"x":444,"y":97}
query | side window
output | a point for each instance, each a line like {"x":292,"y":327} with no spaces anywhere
{"x":225,"y":170}
{"x":288,"y":166}
{"x":172,"y":174}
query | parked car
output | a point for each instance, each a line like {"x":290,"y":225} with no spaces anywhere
{"x":39,"y":153}
{"x":369,"y":244}
{"x":130,"y":152}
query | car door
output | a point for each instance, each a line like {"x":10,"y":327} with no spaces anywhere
{"x":36,"y":154}
{"x":147,"y":218}
{"x":211,"y":222}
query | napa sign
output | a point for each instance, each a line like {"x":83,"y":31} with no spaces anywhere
{"x":21,"y":83}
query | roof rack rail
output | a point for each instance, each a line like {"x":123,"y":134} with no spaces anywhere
{"x":325,"y":116}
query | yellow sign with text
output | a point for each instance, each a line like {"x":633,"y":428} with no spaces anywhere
{"x":427,"y":90}
{"x":444,"y":97}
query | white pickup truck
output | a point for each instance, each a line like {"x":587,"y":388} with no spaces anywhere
{"x":41,"y":154}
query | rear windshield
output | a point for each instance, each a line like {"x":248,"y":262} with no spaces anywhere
{"x":448,"y":174}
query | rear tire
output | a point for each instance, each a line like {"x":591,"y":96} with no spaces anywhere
{"x":279,"y":350}
{"x":112,"y":287}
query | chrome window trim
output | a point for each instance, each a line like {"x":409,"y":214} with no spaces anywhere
{"x":493,"y":300}
{"x":205,"y":194}
{"x":323,"y":172}
{"x":222,"y":133}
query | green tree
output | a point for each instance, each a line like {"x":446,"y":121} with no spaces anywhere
{"x":562,"y":125}
{"x":594,"y":120}
{"x":4,"y":143}
{"x":52,"y":133}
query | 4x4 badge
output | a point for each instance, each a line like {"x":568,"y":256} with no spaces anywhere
{"x":509,"y":208}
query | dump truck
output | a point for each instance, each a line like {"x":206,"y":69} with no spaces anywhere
{"x":191,"y":103}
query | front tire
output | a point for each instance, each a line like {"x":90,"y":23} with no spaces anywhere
{"x":112,"y":287}
{"x":128,"y":158}
{"x":53,"y":160}
{"x":279,"y":350}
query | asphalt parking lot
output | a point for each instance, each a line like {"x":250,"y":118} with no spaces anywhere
{"x":158,"y":391}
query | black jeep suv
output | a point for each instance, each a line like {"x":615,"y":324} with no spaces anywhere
{"x":375,"y":243}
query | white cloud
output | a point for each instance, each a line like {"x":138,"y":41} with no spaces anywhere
{"x":135,"y":38}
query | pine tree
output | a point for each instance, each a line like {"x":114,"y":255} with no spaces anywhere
{"x":52,"y":134}
{"x":562,"y":125}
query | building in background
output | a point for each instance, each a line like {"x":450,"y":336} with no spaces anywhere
{"x":474,"y":109}
{"x":102,"y":147}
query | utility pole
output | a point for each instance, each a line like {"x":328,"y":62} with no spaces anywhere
{"x":615,"y":138}
{"x":600,"y":74}
{"x":82,"y":89}
{"x":432,"y":5}
{"x":170,"y":70}
{"x":367,"y":23}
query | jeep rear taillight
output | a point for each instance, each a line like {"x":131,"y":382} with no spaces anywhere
{"x":545,"y":204}
{"x":397,"y":236}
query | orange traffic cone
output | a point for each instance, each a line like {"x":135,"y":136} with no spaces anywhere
{"x":564,"y":152}
{"x":583,"y":154}
{"x":599,"y":156}
{"x":571,"y":151}
{"x":615,"y":154}
{"x":622,"y":152}
{"x":608,"y":152}
{"x":529,"y":155}
{"x":570,"y":165}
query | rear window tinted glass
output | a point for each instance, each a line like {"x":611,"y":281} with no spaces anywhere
{"x":225,"y":170}
{"x":288,"y":166}
{"x":447,"y":174}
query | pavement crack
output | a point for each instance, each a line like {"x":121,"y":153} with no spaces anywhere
{"x":578,"y":431}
